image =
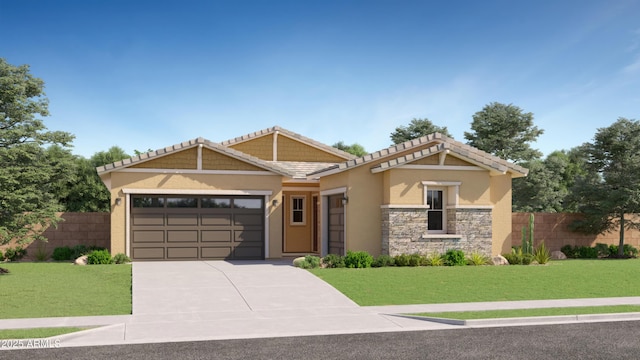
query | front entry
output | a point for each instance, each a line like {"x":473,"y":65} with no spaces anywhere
{"x":300,"y":217}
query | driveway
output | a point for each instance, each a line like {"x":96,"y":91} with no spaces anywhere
{"x":200,"y":287}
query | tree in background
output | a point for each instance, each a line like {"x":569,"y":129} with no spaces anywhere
{"x":86,"y":192}
{"x":417,"y":128}
{"x":504,"y":131}
{"x":29,"y":173}
{"x":611,"y":186}
{"x":549,"y":182}
{"x":353,"y":149}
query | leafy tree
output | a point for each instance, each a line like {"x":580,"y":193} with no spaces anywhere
{"x":353,"y":149}
{"x":540,"y":191}
{"x":505,"y":131}
{"x":611,"y":186}
{"x":29,"y":173}
{"x":417,"y":128}
{"x":86,"y":192}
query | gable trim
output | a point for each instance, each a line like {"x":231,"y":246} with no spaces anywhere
{"x":436,"y":167}
{"x":203,"y":172}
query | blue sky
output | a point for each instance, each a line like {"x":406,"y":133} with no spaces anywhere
{"x":149,"y":74}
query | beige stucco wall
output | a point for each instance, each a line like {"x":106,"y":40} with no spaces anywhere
{"x":501,"y":215}
{"x":405,"y":185}
{"x":152,"y":181}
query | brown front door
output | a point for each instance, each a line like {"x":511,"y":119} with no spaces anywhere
{"x":298,"y":222}
{"x":336,"y":225}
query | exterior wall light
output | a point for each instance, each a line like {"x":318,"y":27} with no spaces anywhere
{"x":345,"y":200}
{"x":274,"y":202}
{"x":118,"y":201}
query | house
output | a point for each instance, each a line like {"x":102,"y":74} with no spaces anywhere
{"x":274,"y":193}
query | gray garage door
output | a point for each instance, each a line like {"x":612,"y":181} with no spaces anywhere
{"x":165,"y":227}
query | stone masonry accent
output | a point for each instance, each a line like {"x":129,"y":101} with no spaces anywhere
{"x":404,"y":231}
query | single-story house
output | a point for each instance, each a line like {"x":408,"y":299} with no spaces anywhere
{"x":274,"y":193}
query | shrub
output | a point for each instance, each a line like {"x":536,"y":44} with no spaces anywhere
{"x":541,"y":254}
{"x":627,"y":251}
{"x":358,"y":259}
{"x":79,"y":250}
{"x":603,"y":249}
{"x":62,"y":253}
{"x":333,"y":261}
{"x":15,"y":254}
{"x":477,"y":258}
{"x":513,"y":259}
{"x":569,"y":251}
{"x":310,"y":262}
{"x":382,"y":261}
{"x":586,"y":252}
{"x":434,"y":259}
{"x":415,"y":260}
{"x":121,"y":258}
{"x":99,"y":257}
{"x":455,"y":258}
{"x":401,"y":260}
{"x":1,"y":255}
{"x":527,"y":259}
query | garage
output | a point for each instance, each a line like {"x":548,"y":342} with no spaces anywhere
{"x":183,"y":227}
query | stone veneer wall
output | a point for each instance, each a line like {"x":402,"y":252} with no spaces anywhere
{"x":404,"y":230}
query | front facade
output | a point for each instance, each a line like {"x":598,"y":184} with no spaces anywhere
{"x":275,"y":193}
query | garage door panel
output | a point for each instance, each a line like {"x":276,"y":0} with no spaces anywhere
{"x":182,"y":252}
{"x":182,"y":219}
{"x":248,"y":220}
{"x":182,"y":236}
{"x":248,"y":236}
{"x":148,"y":253}
{"x":148,"y":219}
{"x":221,"y":252}
{"x":148,"y":236}
{"x":216,"y":235}
{"x":201,"y":232}
{"x":216,"y":219}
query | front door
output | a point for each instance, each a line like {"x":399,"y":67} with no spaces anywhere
{"x":298,"y":221}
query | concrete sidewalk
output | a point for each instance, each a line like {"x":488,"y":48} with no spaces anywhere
{"x":214,"y":300}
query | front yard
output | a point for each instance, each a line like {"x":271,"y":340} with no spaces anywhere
{"x":61,"y":289}
{"x":428,"y":285}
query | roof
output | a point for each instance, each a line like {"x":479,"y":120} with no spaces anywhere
{"x":267,"y":165}
{"x":290,"y":134}
{"x":440,"y":143}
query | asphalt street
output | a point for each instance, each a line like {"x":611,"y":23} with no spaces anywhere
{"x":617,"y":340}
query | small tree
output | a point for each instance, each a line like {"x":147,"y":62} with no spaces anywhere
{"x":504,"y":131}
{"x":353,"y":149}
{"x":611,"y":187}
{"x":417,"y":128}
{"x":29,"y":174}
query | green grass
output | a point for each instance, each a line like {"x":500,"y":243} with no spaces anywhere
{"x":61,"y":289}
{"x":38,"y":333}
{"x":497,"y":314}
{"x":429,"y":285}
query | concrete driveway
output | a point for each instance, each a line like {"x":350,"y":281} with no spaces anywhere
{"x":199,"y":287}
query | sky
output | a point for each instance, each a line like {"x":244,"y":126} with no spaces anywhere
{"x":149,"y":74}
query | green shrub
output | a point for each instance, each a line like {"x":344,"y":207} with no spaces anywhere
{"x":455,"y":258}
{"x":569,"y":251}
{"x":586,"y":252}
{"x":79,"y":250}
{"x":603,"y":249}
{"x":401,"y":260}
{"x":358,"y":259}
{"x":527,"y":259}
{"x":333,"y":261}
{"x":383,"y":261}
{"x":99,"y":257}
{"x":476,"y":258}
{"x":121,"y":258}
{"x":310,"y":262}
{"x":15,"y":254}
{"x":434,"y":259}
{"x":415,"y":260}
{"x":62,"y":253}
{"x":541,"y":254}
{"x":513,"y":259}
{"x":1,"y":255}
{"x":627,"y":251}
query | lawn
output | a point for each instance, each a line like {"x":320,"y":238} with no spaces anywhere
{"x":512,"y":313}
{"x":61,"y":289}
{"x":39,"y":333}
{"x":430,"y":285}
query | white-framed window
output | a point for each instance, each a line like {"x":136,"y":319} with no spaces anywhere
{"x":298,"y":207}
{"x":438,"y":195}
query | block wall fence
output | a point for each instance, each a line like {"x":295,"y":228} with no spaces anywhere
{"x":552,"y":228}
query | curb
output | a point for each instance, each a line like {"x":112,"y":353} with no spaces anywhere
{"x":632,"y":316}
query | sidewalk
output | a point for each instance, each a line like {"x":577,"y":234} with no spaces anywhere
{"x":133,"y":329}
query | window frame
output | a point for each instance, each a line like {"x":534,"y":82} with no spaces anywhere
{"x":293,"y":210}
